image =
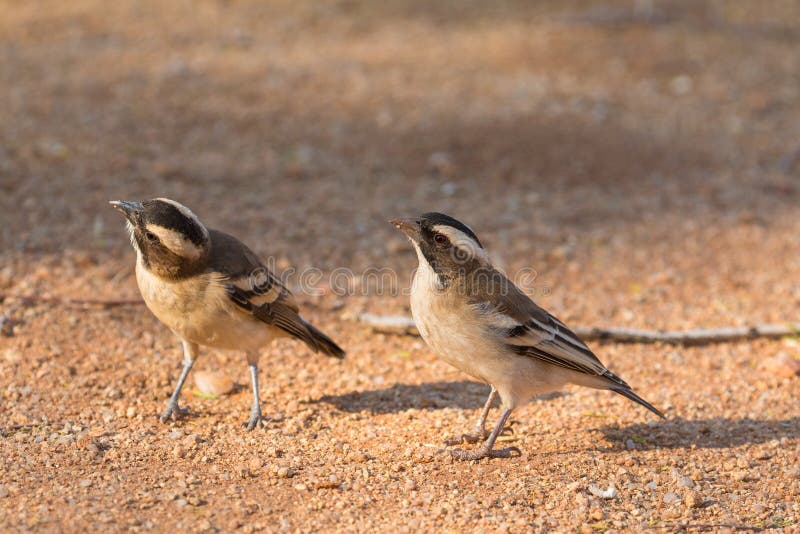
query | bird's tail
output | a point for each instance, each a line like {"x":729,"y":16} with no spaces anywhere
{"x":321,"y":342}
{"x":609,"y":380}
{"x":629,"y":394}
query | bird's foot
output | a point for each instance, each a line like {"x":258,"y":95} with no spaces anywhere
{"x":482,"y":452}
{"x":256,"y":419}
{"x":476,"y":435}
{"x":173,"y":411}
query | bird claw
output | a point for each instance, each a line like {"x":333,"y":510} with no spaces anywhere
{"x":475,"y":436}
{"x":256,"y":419}
{"x":482,"y":452}
{"x":173,"y":412}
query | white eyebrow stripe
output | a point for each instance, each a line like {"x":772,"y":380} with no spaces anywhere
{"x":185,"y":211}
{"x":464,"y":242}
{"x":175,"y":241}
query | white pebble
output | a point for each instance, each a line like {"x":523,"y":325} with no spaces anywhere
{"x":609,"y":493}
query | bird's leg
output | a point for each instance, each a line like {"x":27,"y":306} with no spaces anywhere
{"x":486,"y":450}
{"x":173,"y":411}
{"x":255,"y":412}
{"x":478,"y":433}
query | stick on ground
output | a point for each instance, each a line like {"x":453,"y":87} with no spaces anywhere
{"x":398,"y":324}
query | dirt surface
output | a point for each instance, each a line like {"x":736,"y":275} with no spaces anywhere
{"x":643,"y":157}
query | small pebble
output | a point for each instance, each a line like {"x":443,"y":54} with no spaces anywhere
{"x":671,"y":498}
{"x":609,"y":493}
{"x":213,"y":383}
{"x":692,"y":500}
{"x":284,"y":472}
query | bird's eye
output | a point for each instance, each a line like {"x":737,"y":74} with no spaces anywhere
{"x":150,"y":236}
{"x":439,"y":239}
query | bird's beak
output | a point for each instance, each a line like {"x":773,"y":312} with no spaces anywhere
{"x":127,"y":208}
{"x":410,"y":227}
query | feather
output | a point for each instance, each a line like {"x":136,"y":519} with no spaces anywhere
{"x":530,"y":331}
{"x":257,"y":291}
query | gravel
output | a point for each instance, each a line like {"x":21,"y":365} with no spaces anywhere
{"x":643,"y":164}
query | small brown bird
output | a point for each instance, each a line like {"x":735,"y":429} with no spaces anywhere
{"x":477,"y":320}
{"x":210,"y":289}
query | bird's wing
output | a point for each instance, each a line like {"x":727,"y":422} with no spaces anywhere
{"x":531,"y":331}
{"x":254,"y":288}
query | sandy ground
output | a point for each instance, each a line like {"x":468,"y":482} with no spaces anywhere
{"x":642,"y":157}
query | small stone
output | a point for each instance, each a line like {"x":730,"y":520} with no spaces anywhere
{"x":783,"y":366}
{"x":4,"y":492}
{"x":670,"y":498}
{"x":685,"y":482}
{"x":300,"y":487}
{"x":574,"y":486}
{"x":130,"y":412}
{"x":609,"y":493}
{"x":85,"y":483}
{"x":410,"y":485}
{"x":213,"y":383}
{"x":181,"y":503}
{"x":12,"y":356}
{"x":191,"y":441}
{"x":179,"y":451}
{"x":175,"y":434}
{"x":693,"y":500}
{"x":284,"y":472}
{"x":255,"y":464}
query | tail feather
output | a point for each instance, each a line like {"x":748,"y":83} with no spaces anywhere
{"x":629,"y":394}
{"x":321,"y":342}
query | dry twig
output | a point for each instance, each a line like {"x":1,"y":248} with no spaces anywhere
{"x":36,"y":299}
{"x":398,"y":324}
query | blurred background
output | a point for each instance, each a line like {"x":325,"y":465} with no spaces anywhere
{"x":642,"y":156}
{"x":618,"y":148}
{"x":631,"y":138}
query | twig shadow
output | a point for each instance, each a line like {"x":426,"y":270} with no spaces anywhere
{"x":716,"y":433}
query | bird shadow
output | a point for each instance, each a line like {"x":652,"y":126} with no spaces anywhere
{"x":401,"y":397}
{"x":713,"y":433}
